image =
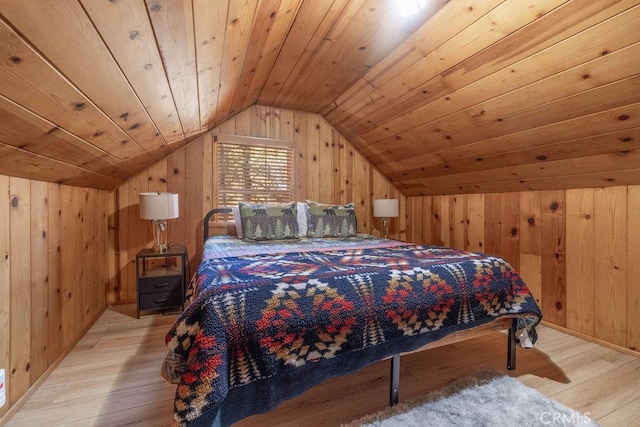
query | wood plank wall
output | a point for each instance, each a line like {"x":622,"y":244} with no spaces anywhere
{"x":575,"y":249}
{"x":327,"y":169}
{"x":53,"y":240}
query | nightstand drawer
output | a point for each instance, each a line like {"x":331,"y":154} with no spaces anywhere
{"x":160,"y":284}
{"x":160,"y":300}
{"x":160,"y":279}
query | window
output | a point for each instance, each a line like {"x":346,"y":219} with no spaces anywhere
{"x":255,"y":170}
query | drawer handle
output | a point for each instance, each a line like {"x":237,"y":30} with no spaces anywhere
{"x":158,"y":301}
{"x":161,"y":285}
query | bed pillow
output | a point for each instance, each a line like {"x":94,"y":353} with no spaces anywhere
{"x":268,"y":222}
{"x":330,"y":220}
{"x":301,"y":207}
{"x":238,"y":221}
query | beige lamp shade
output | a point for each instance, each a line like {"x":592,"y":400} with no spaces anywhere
{"x":385,"y":208}
{"x":158,"y":205}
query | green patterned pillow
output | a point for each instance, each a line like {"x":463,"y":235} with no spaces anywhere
{"x":268,"y":222}
{"x":330,"y":220}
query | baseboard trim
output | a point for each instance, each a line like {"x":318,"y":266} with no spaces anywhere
{"x":592,"y":339}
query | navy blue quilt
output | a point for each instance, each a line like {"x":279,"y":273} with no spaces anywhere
{"x":263,"y":328}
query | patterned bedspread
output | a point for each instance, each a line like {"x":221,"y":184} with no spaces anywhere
{"x":264,"y":327}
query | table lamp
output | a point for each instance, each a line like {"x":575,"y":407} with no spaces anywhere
{"x":159,"y":207}
{"x":385,"y":209}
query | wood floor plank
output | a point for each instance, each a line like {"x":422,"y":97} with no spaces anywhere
{"x":605,"y":393}
{"x":621,"y":416}
{"x":150,"y":415}
{"x":111,"y":378}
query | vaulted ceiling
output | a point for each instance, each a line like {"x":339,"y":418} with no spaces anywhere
{"x":466,"y":96}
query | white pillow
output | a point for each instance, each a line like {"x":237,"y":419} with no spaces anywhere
{"x":238,"y":221}
{"x":301,"y":209}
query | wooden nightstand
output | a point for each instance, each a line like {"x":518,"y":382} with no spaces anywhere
{"x":160,"y":287}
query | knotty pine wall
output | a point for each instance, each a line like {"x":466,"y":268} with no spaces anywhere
{"x":327,"y":169}
{"x":576,"y":249}
{"x":53,"y":274}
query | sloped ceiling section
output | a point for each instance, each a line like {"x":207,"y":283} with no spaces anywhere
{"x":467,"y":96}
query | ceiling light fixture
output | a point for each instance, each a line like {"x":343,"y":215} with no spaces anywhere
{"x":410,"y":7}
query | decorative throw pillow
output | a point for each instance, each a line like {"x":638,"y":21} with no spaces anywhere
{"x":330,"y":220}
{"x":268,"y":222}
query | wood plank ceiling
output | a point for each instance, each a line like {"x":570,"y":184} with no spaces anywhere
{"x":467,"y":96}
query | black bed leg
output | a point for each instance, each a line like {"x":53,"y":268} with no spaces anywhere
{"x":395,"y":380}
{"x":511,"y":346}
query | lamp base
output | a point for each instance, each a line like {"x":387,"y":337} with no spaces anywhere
{"x":160,"y":236}
{"x":385,"y":227}
{"x":161,"y":249}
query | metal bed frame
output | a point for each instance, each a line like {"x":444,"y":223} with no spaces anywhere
{"x":395,"y":359}
{"x":208,"y":217}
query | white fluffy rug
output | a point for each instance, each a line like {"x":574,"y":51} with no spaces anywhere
{"x":486,"y":399}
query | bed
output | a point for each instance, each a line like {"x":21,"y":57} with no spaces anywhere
{"x":270,"y":319}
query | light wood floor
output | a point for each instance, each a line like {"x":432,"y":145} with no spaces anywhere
{"x":112,"y":378}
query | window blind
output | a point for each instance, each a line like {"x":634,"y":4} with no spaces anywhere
{"x":252,"y":172}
